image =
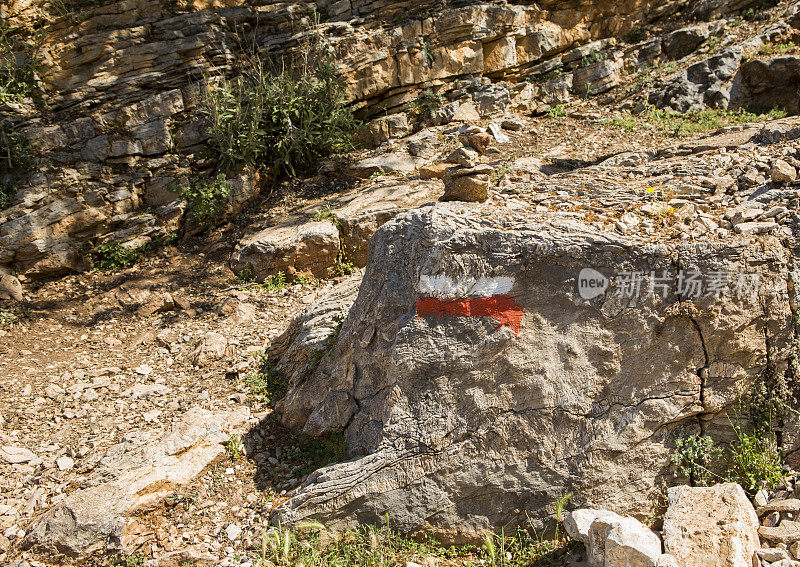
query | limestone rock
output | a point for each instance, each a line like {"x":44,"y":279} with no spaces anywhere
{"x":714,"y":526}
{"x":396,"y":162}
{"x":772,"y":555}
{"x":423,"y":144}
{"x":212,"y":347}
{"x":433,"y":171}
{"x":499,"y":136}
{"x":767,"y":83}
{"x":631,"y":544}
{"x":298,"y":348}
{"x":455,"y":341}
{"x":782,"y":172}
{"x":703,"y":84}
{"x":788,"y":505}
{"x":596,"y":78}
{"x":134,"y":478}
{"x":466,"y":157}
{"x":10,"y":288}
{"x":667,"y":560}
{"x":579,"y":522}
{"x":292,"y":247}
{"x":158,"y":303}
{"x":471,"y":188}
{"x":456,"y":112}
{"x":617,"y":540}
{"x":479,"y":141}
{"x":761,"y":227}
{"x":787,"y":532}
{"x":682,"y":42}
{"x":777,"y":131}
{"x":360,"y":213}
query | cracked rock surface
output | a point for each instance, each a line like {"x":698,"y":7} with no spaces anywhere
{"x":460,"y":426}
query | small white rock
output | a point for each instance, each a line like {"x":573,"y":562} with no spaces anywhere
{"x":233,"y":531}
{"x":64,"y":463}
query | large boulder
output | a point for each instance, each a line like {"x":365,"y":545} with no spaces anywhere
{"x":711,"y":527}
{"x":706,"y":83}
{"x":768,"y":83}
{"x":478,"y":376}
{"x":294,"y":246}
{"x":359,"y":213}
{"x":682,"y":42}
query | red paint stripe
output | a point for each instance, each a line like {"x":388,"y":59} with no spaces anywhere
{"x":503,"y":308}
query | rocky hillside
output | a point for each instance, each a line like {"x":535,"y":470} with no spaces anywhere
{"x":104,"y":95}
{"x":551,"y":283}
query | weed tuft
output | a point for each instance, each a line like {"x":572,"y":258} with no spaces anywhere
{"x":265,"y":383}
{"x":426,"y":104}
{"x":113,"y":256}
{"x":207,"y":200}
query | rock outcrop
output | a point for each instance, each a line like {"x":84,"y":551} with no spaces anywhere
{"x":493,"y":362}
{"x":133,"y":477}
{"x":122,"y":85}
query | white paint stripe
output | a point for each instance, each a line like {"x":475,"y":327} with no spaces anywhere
{"x":445,"y":287}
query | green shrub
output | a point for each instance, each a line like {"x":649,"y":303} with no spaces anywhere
{"x":16,"y":159}
{"x":7,"y":318}
{"x":112,"y":256}
{"x":426,"y":104}
{"x":207,"y":199}
{"x":265,"y":383}
{"x":678,"y":124}
{"x":285,"y":114}
{"x":695,"y":457}
{"x":234,"y":446}
{"x":19,"y":63}
{"x":754,"y":458}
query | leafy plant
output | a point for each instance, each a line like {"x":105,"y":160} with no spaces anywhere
{"x":20,"y":62}
{"x":275,"y":281}
{"x":754,"y":459}
{"x":557,"y":111}
{"x":429,"y":57}
{"x":677,"y":124}
{"x":694,"y":457}
{"x":325,"y":213}
{"x":592,"y":57}
{"x":303,"y":279}
{"x":286,"y":114}
{"x":16,"y":159}
{"x":316,"y":452}
{"x":7,"y":318}
{"x":384,"y":547}
{"x":560,"y":504}
{"x":265,"y":383}
{"x":112,"y":255}
{"x":426,"y":104}
{"x":776,"y":48}
{"x":207,"y":199}
{"x":234,"y":446}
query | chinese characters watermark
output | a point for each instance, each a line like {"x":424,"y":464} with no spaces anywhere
{"x":686,"y":284}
